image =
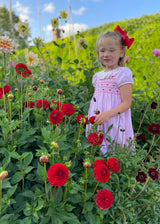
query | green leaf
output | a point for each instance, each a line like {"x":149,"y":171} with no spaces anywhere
{"x":27,"y":160}
{"x":28,"y":169}
{"x":58,"y":59}
{"x":76,"y":61}
{"x":14,"y":155}
{"x":27,"y":194}
{"x":62,"y":45}
{"x":11,"y":191}
{"x":16,"y":178}
{"x":40,"y":171}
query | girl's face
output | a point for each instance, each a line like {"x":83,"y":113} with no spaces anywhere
{"x":109,"y":52}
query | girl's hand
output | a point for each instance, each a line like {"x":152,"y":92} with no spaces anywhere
{"x":102,"y":118}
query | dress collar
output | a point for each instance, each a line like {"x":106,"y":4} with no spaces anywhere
{"x":103,"y":74}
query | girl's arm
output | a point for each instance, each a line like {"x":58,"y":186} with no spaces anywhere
{"x":126,"y":100}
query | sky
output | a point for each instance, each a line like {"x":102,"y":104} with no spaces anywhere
{"x":85,"y":14}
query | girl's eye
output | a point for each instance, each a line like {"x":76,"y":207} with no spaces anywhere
{"x":111,"y":50}
{"x":101,"y":50}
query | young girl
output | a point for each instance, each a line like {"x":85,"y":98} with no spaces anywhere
{"x":113,"y":89}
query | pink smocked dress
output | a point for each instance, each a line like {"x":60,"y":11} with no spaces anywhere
{"x":107,"y":96}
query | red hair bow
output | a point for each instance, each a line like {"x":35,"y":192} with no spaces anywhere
{"x":127,"y":41}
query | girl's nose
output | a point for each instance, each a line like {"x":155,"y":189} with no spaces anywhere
{"x":106,"y":53}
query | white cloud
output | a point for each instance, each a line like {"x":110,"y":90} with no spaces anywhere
{"x":49,"y":7}
{"x":69,"y":29}
{"x":79,"y":12}
{"x":24,"y":17}
{"x":24,"y":11}
{"x":21,"y":9}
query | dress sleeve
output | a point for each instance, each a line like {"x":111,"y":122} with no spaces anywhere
{"x":94,"y":78}
{"x":124,"y":77}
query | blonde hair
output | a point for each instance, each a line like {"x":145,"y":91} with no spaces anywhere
{"x":117,"y":37}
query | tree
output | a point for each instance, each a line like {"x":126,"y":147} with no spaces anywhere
{"x":5,"y":28}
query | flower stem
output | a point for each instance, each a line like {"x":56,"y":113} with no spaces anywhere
{"x":53,"y":155}
{"x":57,"y":138}
{"x":142,"y":188}
{"x":5,"y":68}
{"x":4,"y":99}
{"x":85,"y":187}
{"x":96,"y":187}
{"x":21,"y":101}
{"x":22,"y":172}
{"x":45,"y":180}
{"x":65,"y":193}
{"x":145,"y":158}
{"x":10,"y":117}
{"x":0,"y":195}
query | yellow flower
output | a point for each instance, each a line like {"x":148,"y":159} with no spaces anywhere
{"x":54,"y":22}
{"x":6,"y":44}
{"x":23,"y":28}
{"x":31,"y":58}
{"x":82,"y":44}
{"x":63,"y":14}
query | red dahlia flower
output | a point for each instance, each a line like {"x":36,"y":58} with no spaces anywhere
{"x":99,"y":162}
{"x":6,"y":89}
{"x":21,"y":69}
{"x":82,"y":119}
{"x":92,"y":119}
{"x":154,"y":105}
{"x":29,"y":104}
{"x":101,"y":173}
{"x":57,"y":103}
{"x":27,"y":74}
{"x":141,"y":177}
{"x":153,"y":173}
{"x":104,"y":199}
{"x":43,"y":103}
{"x":1,"y":93}
{"x":58,"y":174}
{"x":67,"y":109}
{"x":154,"y":129}
{"x":95,"y":138}
{"x":113,"y":165}
{"x":56,"y":116}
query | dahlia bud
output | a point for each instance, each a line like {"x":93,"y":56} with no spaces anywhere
{"x":59,"y":91}
{"x":10,"y":96}
{"x":101,"y":135}
{"x":68,"y":164}
{"x":43,"y":159}
{"x":35,"y":88}
{"x":16,"y":90}
{"x":3,"y":175}
{"x":29,"y":94}
{"x":54,"y":144}
{"x":87,"y":165}
{"x":97,"y":112}
{"x":42,"y":81}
